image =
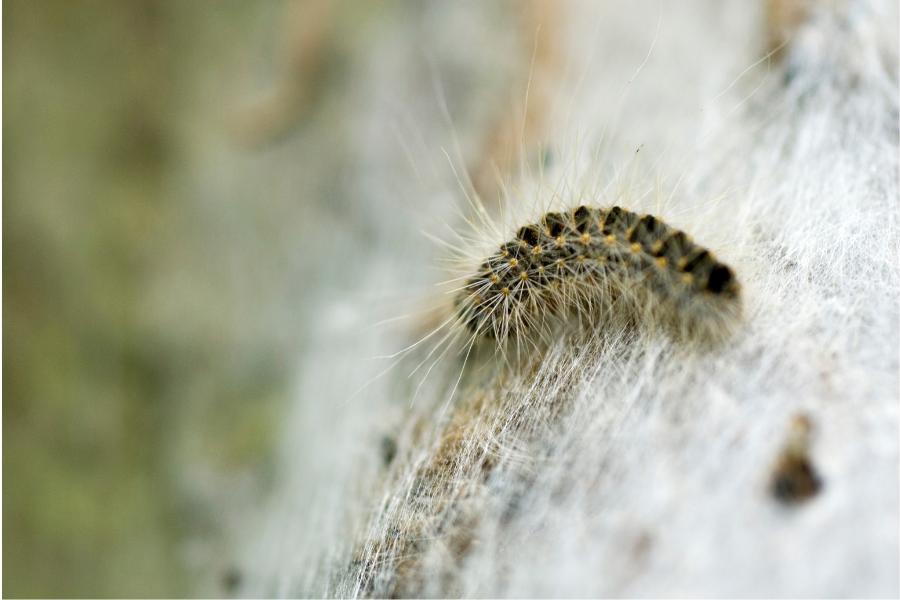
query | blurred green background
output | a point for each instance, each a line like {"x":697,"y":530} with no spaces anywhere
{"x":168,"y":164}
{"x":142,"y":374}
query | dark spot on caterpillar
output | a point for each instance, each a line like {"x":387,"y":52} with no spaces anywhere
{"x":646,"y":231}
{"x":529,"y":234}
{"x":614,"y":221}
{"x":719,"y":278}
{"x":674,"y":246}
{"x":582,"y":218}
{"x":554,"y":223}
{"x":696,"y":262}
{"x":618,"y":220}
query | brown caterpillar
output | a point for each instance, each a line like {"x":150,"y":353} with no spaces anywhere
{"x":599,"y":265}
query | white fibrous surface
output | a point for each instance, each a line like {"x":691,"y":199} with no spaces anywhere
{"x":617,"y":461}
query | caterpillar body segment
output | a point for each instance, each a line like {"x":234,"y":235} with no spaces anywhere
{"x":599,"y":265}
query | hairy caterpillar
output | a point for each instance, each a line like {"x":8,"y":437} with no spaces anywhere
{"x":595,"y":262}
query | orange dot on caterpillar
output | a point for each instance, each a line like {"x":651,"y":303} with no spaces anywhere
{"x":599,"y":265}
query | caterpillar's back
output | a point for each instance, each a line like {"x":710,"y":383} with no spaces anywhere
{"x":600,"y":266}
